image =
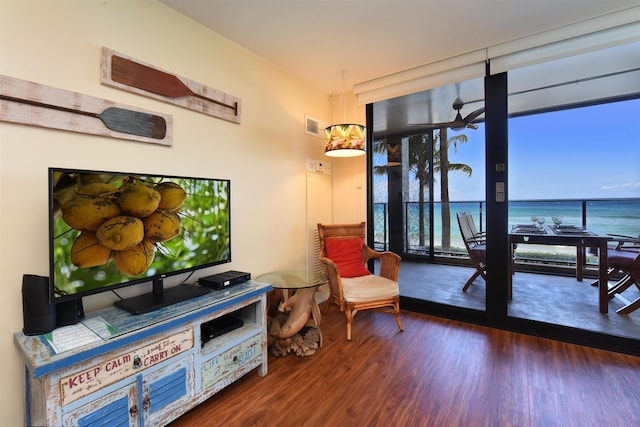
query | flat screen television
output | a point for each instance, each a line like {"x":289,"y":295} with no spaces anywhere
{"x":108,"y":230}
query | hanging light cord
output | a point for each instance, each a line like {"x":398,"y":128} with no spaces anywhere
{"x":344,"y":102}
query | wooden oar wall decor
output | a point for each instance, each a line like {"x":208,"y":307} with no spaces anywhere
{"x":123,"y":72}
{"x":34,"y":104}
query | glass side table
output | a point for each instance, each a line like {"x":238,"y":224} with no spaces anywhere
{"x":291,"y":279}
{"x":290,"y":314}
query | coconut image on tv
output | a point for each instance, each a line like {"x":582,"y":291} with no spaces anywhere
{"x":115,"y":229}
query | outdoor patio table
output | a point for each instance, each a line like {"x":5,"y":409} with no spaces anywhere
{"x":567,"y":236}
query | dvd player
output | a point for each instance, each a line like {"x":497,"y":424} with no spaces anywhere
{"x":219,"y":326}
{"x":224,"y":280}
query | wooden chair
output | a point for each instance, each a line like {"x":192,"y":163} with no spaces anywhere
{"x":476,"y":245}
{"x":344,"y":254}
{"x":624,"y":264}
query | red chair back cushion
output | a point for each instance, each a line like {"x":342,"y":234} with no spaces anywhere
{"x":347,"y":254}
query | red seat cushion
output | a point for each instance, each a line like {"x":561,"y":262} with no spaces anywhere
{"x":347,"y":254}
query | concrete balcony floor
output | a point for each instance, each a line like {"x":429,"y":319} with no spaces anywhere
{"x":543,"y":297}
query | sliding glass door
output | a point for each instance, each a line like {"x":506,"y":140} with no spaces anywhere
{"x":421,"y":176}
{"x":557,"y":146}
{"x":586,"y":176}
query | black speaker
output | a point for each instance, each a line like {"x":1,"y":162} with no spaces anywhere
{"x":39,"y":316}
{"x":69,"y":312}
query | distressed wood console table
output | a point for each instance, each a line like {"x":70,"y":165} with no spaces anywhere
{"x":154,"y":366}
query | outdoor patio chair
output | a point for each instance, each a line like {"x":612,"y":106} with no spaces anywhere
{"x":475,"y":242}
{"x":619,"y":242}
{"x":344,"y":254}
{"x":624,"y":263}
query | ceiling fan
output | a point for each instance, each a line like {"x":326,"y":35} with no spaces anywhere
{"x":459,"y":123}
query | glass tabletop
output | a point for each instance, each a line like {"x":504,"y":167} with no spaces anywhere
{"x":291,"y":279}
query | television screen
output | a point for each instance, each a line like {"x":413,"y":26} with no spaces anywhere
{"x":113,"y":229}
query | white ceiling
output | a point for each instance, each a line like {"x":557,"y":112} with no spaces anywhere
{"x":323,"y":40}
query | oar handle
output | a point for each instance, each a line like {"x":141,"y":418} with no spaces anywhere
{"x":45,"y":105}
{"x":234,"y":107}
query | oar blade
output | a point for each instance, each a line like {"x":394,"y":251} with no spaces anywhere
{"x":134,"y":122}
{"x":146,"y":78}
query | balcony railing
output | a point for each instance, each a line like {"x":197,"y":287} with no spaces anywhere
{"x":611,"y":216}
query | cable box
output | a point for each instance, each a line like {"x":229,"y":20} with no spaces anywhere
{"x":224,"y":280}
{"x":220,"y":326}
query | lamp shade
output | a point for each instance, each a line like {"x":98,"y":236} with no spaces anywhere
{"x":344,"y":140}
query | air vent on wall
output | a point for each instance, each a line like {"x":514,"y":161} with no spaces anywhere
{"x":314,"y":127}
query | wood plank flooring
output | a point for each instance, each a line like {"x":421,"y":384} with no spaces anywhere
{"x":437,"y":372}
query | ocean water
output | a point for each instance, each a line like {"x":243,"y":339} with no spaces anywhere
{"x":605,"y":216}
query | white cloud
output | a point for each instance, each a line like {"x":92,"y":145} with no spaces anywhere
{"x":624,"y":185}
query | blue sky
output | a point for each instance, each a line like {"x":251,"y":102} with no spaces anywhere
{"x":590,"y":152}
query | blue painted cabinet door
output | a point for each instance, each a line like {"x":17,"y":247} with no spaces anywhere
{"x":167,"y":391}
{"x":118,"y":408}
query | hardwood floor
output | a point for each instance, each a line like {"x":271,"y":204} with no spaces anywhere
{"x":437,"y":372}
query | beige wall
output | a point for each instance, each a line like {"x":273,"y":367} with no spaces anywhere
{"x":57,"y":43}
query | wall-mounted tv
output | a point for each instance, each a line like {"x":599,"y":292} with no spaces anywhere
{"x":113,"y":229}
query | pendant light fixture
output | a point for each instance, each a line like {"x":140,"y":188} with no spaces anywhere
{"x":344,"y":139}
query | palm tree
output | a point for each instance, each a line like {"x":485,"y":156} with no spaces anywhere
{"x":445,"y":167}
{"x":418,"y":164}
